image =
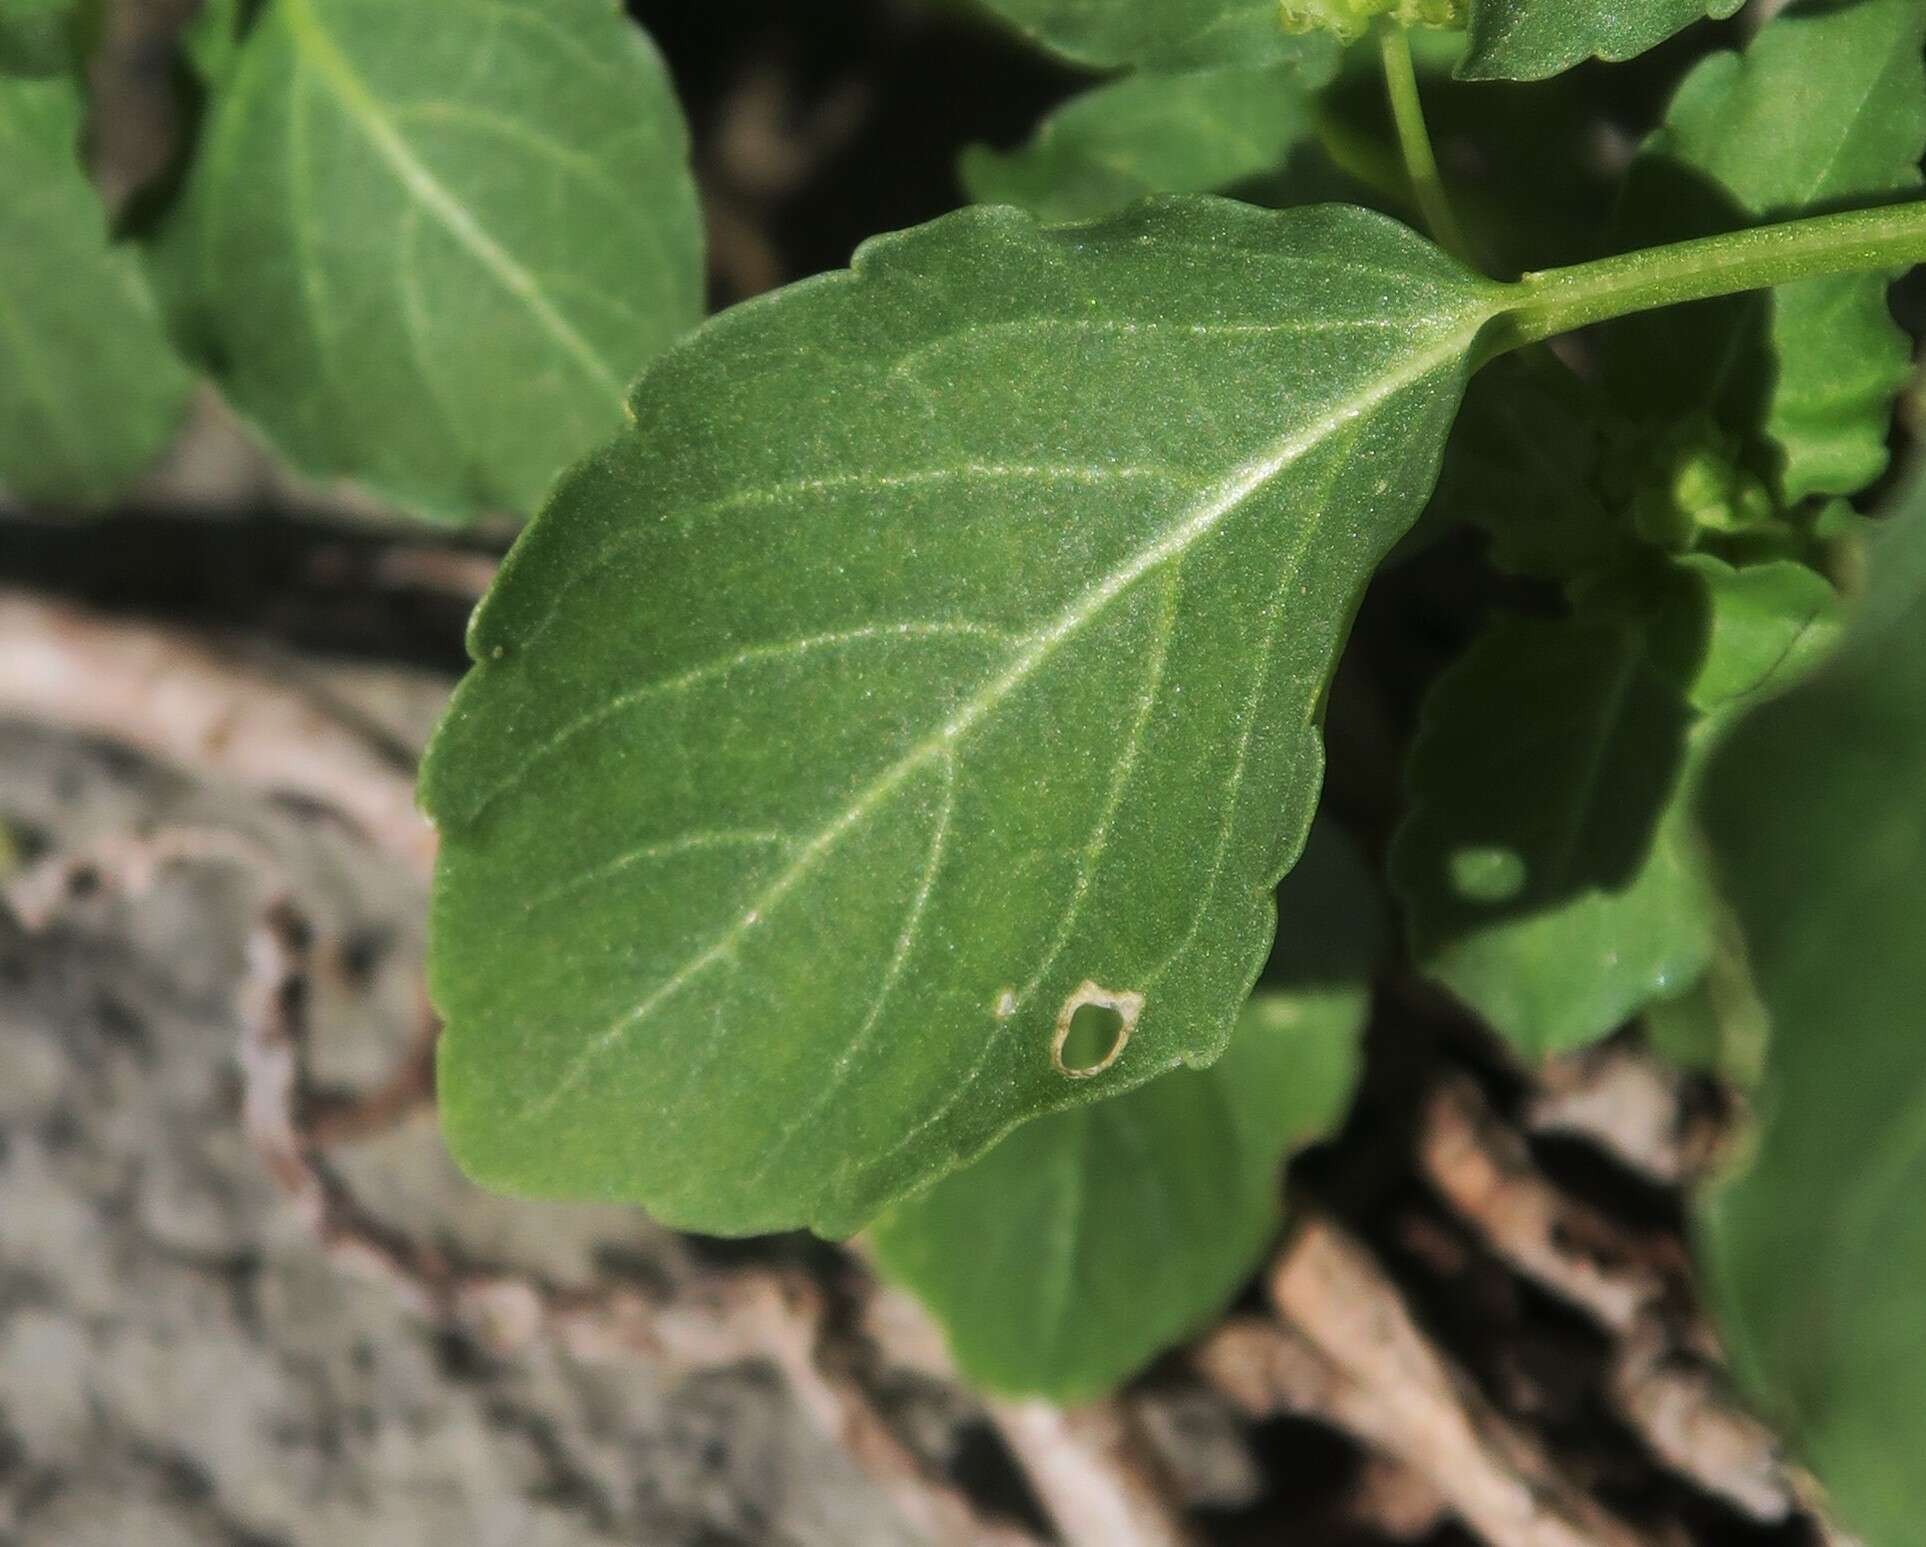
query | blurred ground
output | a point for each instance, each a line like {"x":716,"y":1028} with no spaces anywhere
{"x":180,"y":1364}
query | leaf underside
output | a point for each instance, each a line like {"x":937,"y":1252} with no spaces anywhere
{"x":1528,"y":40}
{"x":944,"y":650}
{"x":427,"y":246}
{"x":90,"y":392}
{"x":1087,"y":1241}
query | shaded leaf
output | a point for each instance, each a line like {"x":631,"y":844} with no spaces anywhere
{"x":1193,"y":132}
{"x":1549,"y":858}
{"x":1527,"y":40}
{"x":1816,"y":1254}
{"x":44,"y":37}
{"x":1523,"y":465}
{"x":1547,"y":873}
{"x":90,"y":392}
{"x":1826,"y":106}
{"x":1157,"y":33}
{"x":944,"y":651}
{"x":1088,"y":1241}
{"x":426,"y":246}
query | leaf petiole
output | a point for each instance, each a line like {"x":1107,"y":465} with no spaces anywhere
{"x":1889,"y":236}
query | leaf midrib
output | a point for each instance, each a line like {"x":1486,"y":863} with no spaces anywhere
{"x":312,"y":41}
{"x":1222,"y":500}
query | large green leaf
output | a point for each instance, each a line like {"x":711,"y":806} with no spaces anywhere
{"x":1527,"y":40}
{"x":1827,"y":105}
{"x":89,"y":389}
{"x":943,"y":652}
{"x":1088,"y":1241}
{"x":1189,"y":132}
{"x":1817,"y":1254}
{"x":1549,"y":859}
{"x":1106,"y":34}
{"x":426,"y":246}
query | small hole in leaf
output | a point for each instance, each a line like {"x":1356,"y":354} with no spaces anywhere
{"x":1093,"y":1033}
{"x":1092,"y":1028}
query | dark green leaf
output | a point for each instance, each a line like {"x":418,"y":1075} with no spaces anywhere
{"x":942,"y":653}
{"x":1545,"y":864}
{"x":426,"y":246}
{"x":1157,"y":33}
{"x":1523,"y":465}
{"x":90,"y":392}
{"x":1826,"y":106}
{"x":1527,"y":40}
{"x":1152,"y":133}
{"x":1549,"y":859}
{"x":1088,"y":1241}
{"x":1817,"y":1253}
{"x":44,"y":37}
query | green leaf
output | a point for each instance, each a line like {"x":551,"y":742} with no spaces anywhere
{"x":1152,"y":133}
{"x":426,"y":246}
{"x":1826,"y":106}
{"x":1549,"y":859}
{"x":1816,"y":1255}
{"x":1523,"y":465}
{"x":1545,"y":866}
{"x":1766,"y":627}
{"x":1717,"y":1026}
{"x":1090,"y":1240}
{"x":1158,"y":33}
{"x":44,"y":37}
{"x":1527,"y":40}
{"x":943,"y":652}
{"x":90,"y":392}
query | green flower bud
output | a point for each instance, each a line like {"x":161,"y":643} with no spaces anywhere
{"x":1351,"y":19}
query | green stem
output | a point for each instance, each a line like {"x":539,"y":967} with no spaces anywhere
{"x":1414,"y":141}
{"x":1892,"y":236}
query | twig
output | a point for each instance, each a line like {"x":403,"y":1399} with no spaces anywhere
{"x":720,"y":1319}
{"x":1093,"y":1468}
{"x":1096,"y":1474}
{"x":1677,"y":1403}
{"x":1347,"y":1351}
{"x":1683,"y":1410}
{"x":1628,"y":1104}
{"x":1483,"y":1170}
{"x":168,"y":694}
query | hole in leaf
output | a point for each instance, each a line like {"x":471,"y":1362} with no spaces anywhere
{"x":1092,"y":1028}
{"x":1093,"y":1033}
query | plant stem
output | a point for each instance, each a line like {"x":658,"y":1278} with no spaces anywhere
{"x":1891,"y":236}
{"x":1414,"y":141}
